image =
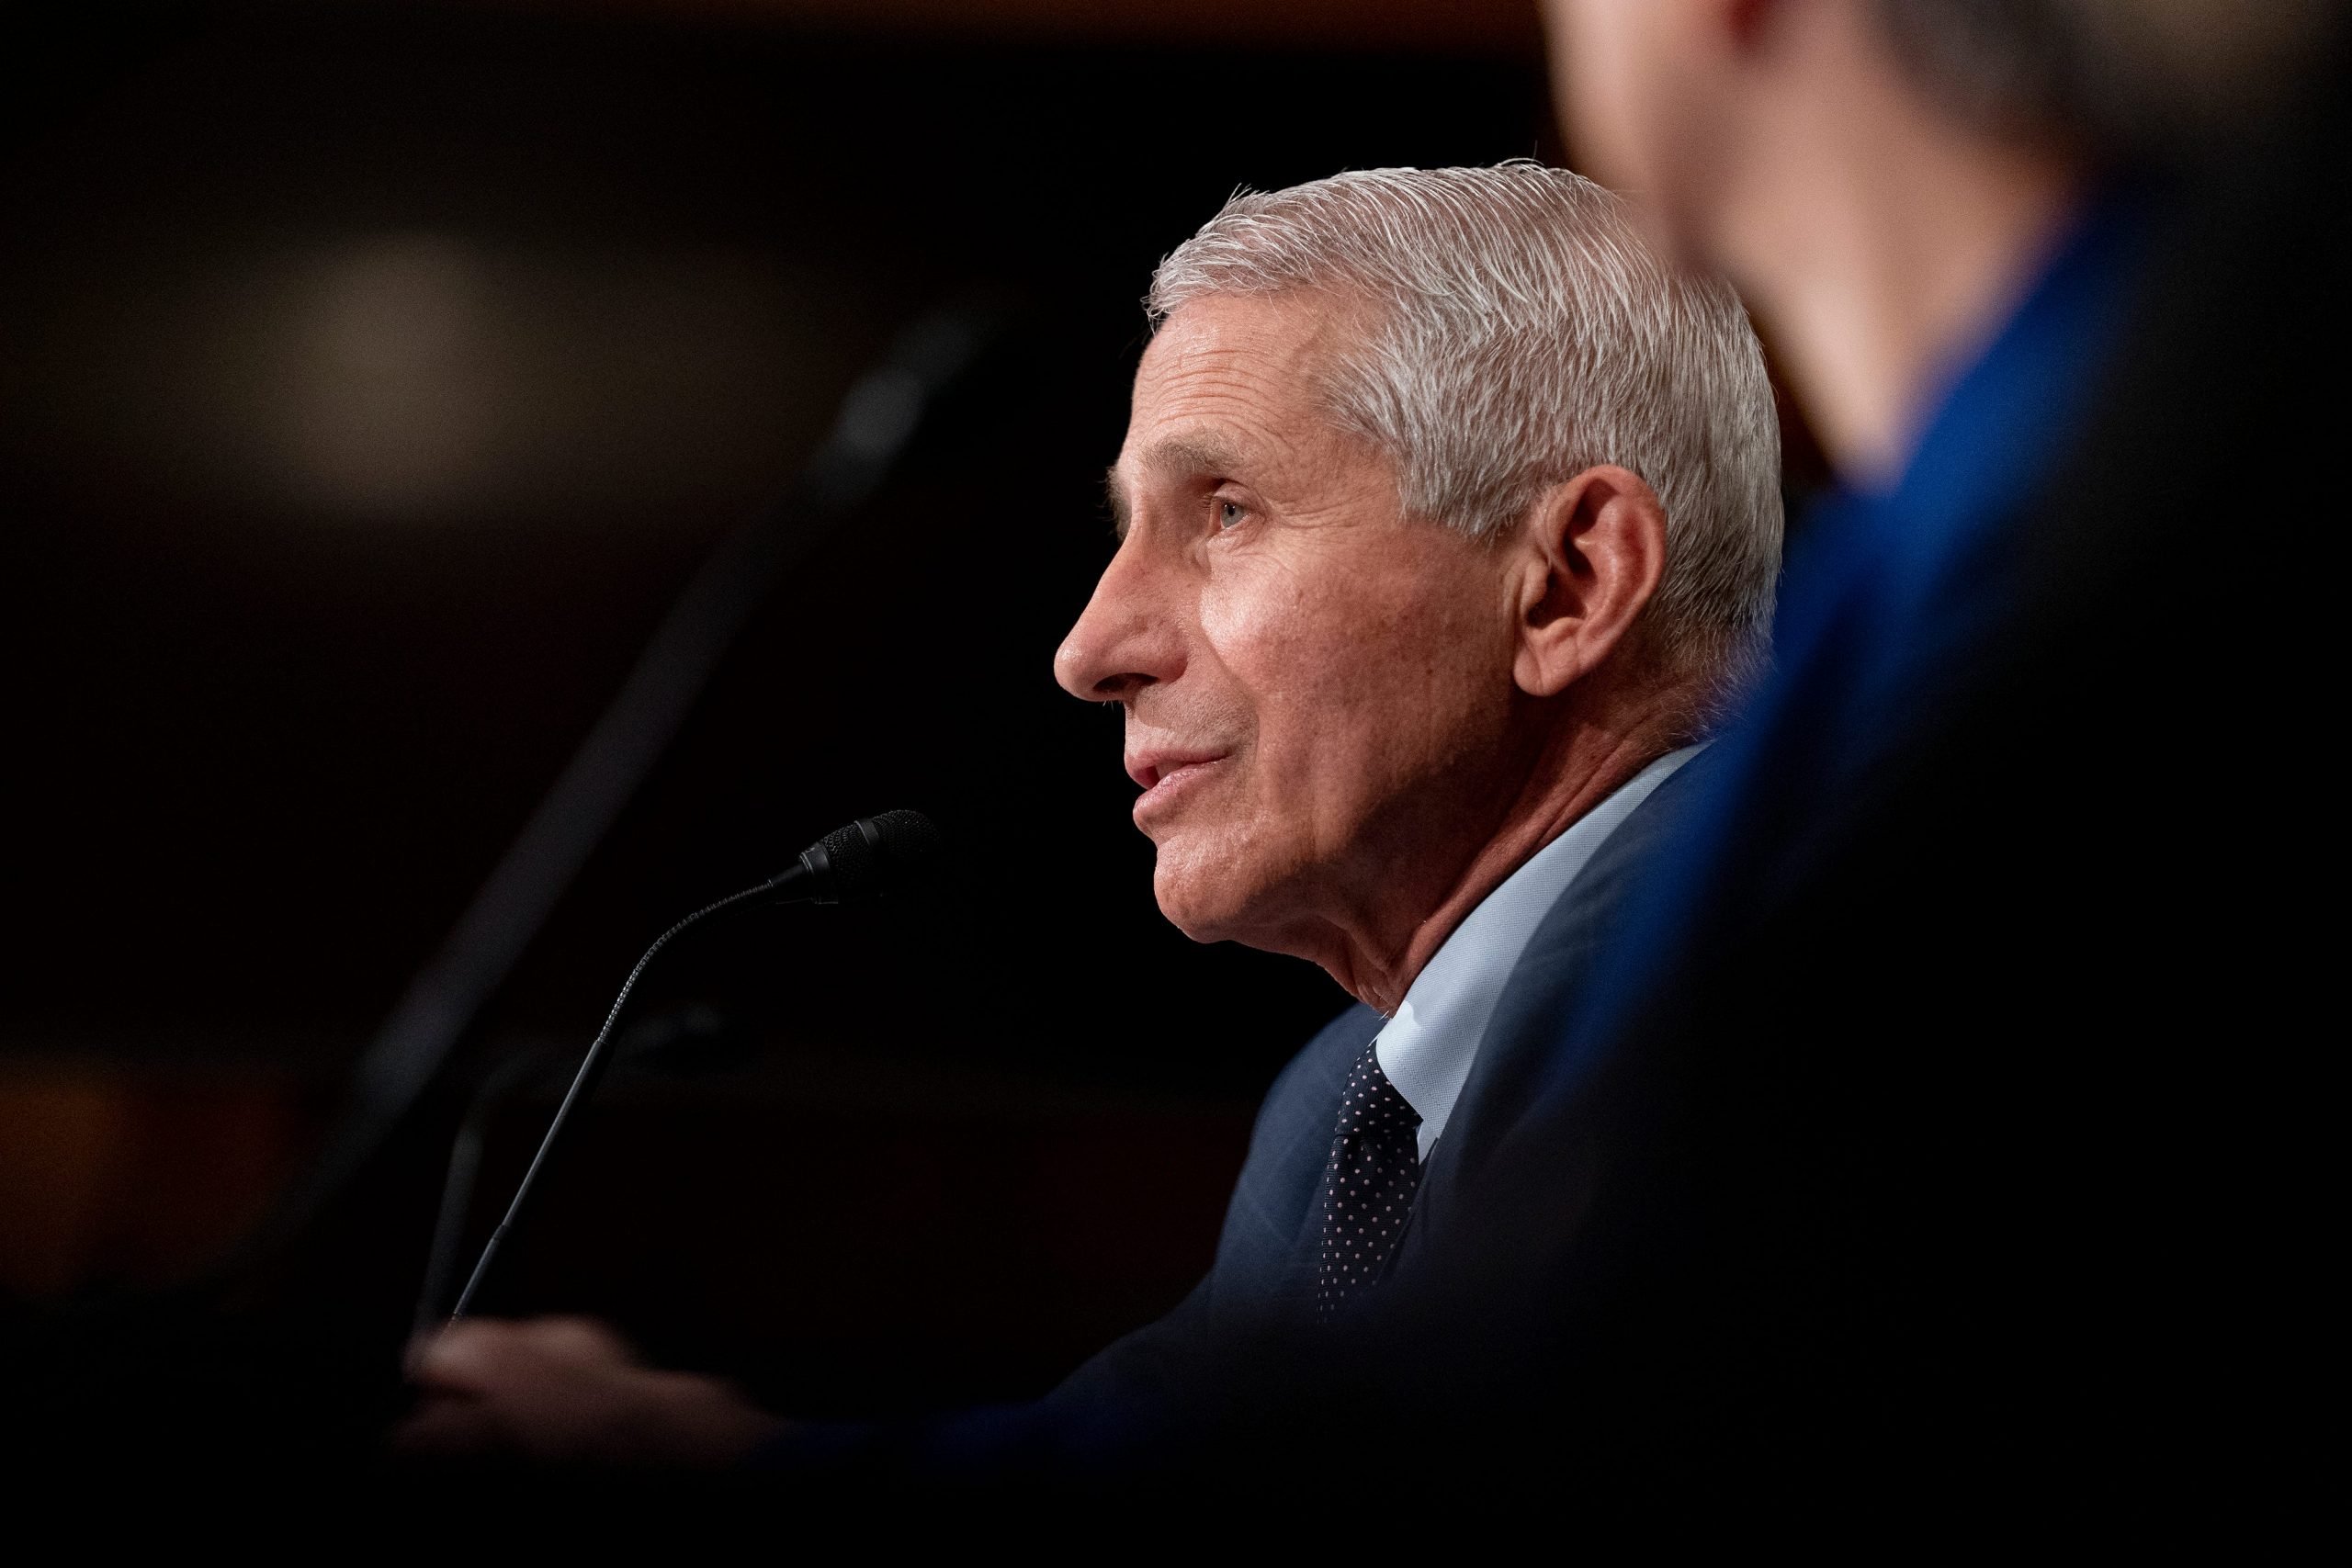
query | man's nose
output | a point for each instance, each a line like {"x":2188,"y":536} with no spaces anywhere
{"x":1126,"y":638}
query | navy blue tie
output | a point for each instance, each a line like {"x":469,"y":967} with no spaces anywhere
{"x":1368,"y":1187}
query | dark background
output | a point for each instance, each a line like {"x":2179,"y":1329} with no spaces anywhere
{"x":370,"y":378}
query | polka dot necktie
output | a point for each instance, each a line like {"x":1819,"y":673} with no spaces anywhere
{"x":1368,"y":1186}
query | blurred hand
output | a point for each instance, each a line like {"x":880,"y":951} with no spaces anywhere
{"x":566,"y":1390}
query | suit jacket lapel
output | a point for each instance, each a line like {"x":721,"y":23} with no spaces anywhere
{"x":1524,"y":1040}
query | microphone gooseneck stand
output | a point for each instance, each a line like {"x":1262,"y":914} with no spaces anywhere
{"x":684,"y":1043}
{"x":871,"y":856}
{"x":464,"y":1172}
{"x":584,"y":1083}
{"x":879,"y":417}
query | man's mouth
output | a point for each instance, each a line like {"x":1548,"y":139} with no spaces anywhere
{"x":1166,"y":774}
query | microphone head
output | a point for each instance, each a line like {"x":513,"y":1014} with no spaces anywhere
{"x":872,"y":856}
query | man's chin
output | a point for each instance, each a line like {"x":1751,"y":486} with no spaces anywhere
{"x":1209,"y":890}
{"x":1199,"y":918}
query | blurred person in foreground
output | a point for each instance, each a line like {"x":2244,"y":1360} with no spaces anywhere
{"x":1932,"y":1123}
{"x":1449,"y":520}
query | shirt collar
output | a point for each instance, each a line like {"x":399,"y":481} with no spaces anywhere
{"x":1427,"y":1048}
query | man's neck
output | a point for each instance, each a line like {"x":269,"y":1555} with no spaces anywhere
{"x":1875,"y":297}
{"x":1381,"y":953}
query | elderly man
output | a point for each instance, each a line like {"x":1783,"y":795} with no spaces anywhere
{"x":1448,"y":518}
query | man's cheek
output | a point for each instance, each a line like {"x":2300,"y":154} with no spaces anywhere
{"x":1258,"y":621}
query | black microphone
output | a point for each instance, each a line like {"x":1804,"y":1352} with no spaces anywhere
{"x":871,"y":857}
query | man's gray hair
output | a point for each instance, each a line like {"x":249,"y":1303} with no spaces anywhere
{"x":1522,"y":334}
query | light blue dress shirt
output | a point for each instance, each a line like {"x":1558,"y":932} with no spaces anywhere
{"x":1428,"y":1047}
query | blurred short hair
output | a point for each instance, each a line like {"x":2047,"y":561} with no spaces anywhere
{"x":2117,"y":75}
{"x":1522,"y":333}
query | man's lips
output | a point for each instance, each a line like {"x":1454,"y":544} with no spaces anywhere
{"x":1148,"y":768}
{"x":1162,"y":773}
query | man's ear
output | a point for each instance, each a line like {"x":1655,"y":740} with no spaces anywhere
{"x":1591,"y":553}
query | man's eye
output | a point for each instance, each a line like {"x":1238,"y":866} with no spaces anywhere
{"x":1230,"y":512}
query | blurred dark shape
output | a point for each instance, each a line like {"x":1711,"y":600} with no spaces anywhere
{"x":691,"y":1042}
{"x":1460,"y":27}
{"x":2132,"y":76}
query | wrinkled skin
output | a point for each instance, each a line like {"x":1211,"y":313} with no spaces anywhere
{"x":1348,"y":723}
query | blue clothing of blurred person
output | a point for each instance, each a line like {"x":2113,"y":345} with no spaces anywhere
{"x":1928,"y":1121}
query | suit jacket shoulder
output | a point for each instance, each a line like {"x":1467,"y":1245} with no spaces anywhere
{"x":1525,"y":1049}
{"x":1274,"y":1197}
{"x":1259,"y":1255}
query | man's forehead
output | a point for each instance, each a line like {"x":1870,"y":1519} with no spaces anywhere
{"x":1228,"y":388}
{"x":1224,"y":378}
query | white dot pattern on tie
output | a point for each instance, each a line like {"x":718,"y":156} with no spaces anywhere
{"x":1368,"y":1187}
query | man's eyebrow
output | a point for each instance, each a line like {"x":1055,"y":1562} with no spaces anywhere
{"x":1190,"y":455}
{"x":1179,"y":457}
